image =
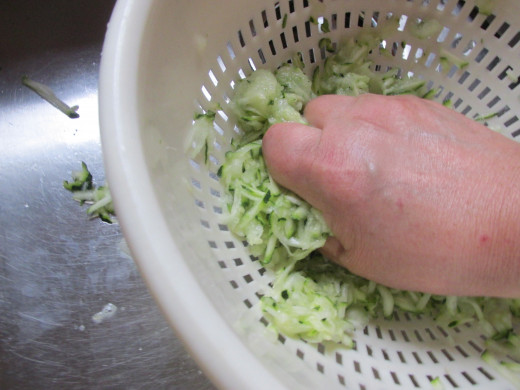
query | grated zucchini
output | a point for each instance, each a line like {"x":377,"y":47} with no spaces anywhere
{"x":312,"y":298}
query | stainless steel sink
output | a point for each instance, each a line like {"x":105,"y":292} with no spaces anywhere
{"x":58,"y":268}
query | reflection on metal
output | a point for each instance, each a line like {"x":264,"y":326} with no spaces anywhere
{"x":58,"y":269}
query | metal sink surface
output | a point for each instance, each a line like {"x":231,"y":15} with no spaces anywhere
{"x":58,"y":268}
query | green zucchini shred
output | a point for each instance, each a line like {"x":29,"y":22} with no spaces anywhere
{"x":312,"y":298}
{"x":84,"y":191}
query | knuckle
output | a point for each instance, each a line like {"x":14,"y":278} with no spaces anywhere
{"x":344,"y":176}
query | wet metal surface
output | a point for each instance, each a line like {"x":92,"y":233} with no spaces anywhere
{"x":58,"y":269}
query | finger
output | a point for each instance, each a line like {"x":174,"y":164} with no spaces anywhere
{"x":289,"y":151}
{"x":389,"y":113}
{"x":321,"y":110}
{"x":346,"y":253}
{"x":341,"y":109}
{"x":334,"y":250}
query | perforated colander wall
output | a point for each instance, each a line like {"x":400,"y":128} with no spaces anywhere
{"x":408,"y":351}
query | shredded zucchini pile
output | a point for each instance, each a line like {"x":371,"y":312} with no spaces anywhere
{"x":311,"y":298}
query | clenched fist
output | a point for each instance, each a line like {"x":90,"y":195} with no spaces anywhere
{"x":417,"y":196}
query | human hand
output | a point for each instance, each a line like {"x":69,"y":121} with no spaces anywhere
{"x":417,"y":196}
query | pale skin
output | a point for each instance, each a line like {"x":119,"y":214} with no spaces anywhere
{"x":417,"y":196}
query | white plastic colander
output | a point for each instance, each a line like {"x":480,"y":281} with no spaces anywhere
{"x":165,"y":60}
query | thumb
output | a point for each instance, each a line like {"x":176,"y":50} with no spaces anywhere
{"x":289,"y":151}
